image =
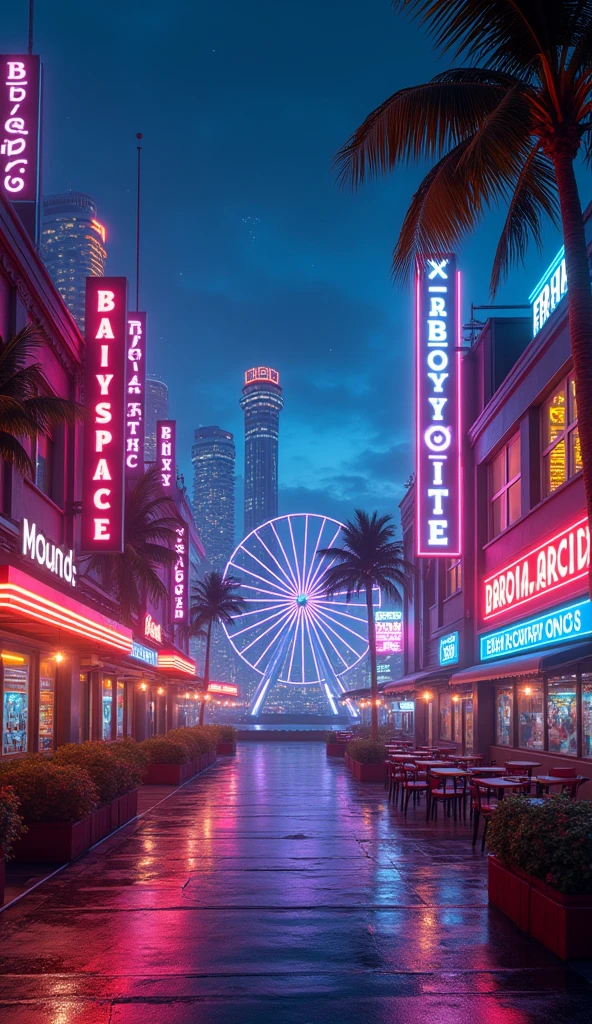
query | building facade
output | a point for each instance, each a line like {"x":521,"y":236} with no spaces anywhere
{"x":157,"y":408}
{"x":69,"y":669}
{"x":72,"y":246}
{"x":262,"y":403}
{"x":499,"y":641}
{"x":213,"y":456}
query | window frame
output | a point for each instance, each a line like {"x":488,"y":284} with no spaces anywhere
{"x":453,"y":572}
{"x":503,"y":491}
{"x":564,"y":437}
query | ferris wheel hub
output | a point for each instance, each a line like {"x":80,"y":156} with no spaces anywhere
{"x":301,"y":600}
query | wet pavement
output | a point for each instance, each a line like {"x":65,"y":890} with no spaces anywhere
{"x":276,"y":888}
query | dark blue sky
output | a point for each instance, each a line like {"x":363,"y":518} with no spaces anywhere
{"x":251,"y":255}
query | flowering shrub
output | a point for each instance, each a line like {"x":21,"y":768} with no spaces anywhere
{"x":189,"y":737}
{"x":51,"y":792}
{"x":226,"y":733}
{"x":550,"y":840}
{"x":163,"y":750}
{"x":111,"y":775}
{"x":11,"y":823}
{"x":134,"y":756}
{"x":367,"y":751}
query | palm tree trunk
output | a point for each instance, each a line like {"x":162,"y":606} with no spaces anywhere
{"x":580,"y":310}
{"x":373,"y":673}
{"x":206,"y":676}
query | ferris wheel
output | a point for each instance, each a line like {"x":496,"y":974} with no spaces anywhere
{"x":292,"y":633}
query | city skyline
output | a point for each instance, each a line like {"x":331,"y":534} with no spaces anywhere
{"x":262,"y":403}
{"x":72,"y":246}
{"x":213,"y":456}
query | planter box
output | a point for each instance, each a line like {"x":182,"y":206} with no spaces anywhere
{"x":123,"y":809}
{"x":561,"y":923}
{"x":54,"y":842}
{"x":366,"y":772}
{"x":167,"y":774}
{"x":226,"y":749}
{"x":100,"y":824}
{"x":2,"y":879}
{"x":335,"y":749}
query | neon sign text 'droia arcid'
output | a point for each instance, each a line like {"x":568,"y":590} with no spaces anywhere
{"x":105,"y":400}
{"x":438,"y":414}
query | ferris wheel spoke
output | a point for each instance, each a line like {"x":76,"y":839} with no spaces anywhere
{"x":292,"y":652}
{"x":314,"y":581}
{"x":282,"y":605}
{"x":302,"y":648}
{"x":327,"y":620}
{"x":314,"y":655}
{"x":276,"y":639}
{"x":297,"y":567}
{"x":314,"y":555}
{"x":285,"y":555}
{"x":328,"y":639}
{"x":328,"y":606}
{"x":268,"y":583}
{"x":255,"y":625}
{"x":260,"y":636}
{"x":261,"y":590}
{"x":266,"y":567}
{"x":330,"y":619}
{"x":289,"y":581}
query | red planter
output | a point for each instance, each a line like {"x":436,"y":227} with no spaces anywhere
{"x":561,"y":923}
{"x":53,"y":842}
{"x":100,"y":824}
{"x":168,"y":774}
{"x":2,"y":879}
{"x":226,"y":749}
{"x":335,"y":749}
{"x":366,"y":772}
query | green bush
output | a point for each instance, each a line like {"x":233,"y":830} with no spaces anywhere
{"x":51,"y":792}
{"x":134,"y":756}
{"x":162,"y":750}
{"x":209,"y":736}
{"x":367,"y":751}
{"x":111,"y":775}
{"x":191,"y":738}
{"x":226,"y":734}
{"x":11,"y":823}
{"x":551,"y":840}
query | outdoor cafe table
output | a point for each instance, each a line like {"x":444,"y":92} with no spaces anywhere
{"x":525,"y":766}
{"x":493,"y":770}
{"x":545,"y":782}
{"x":498,"y":784}
{"x":467,"y":757}
{"x":444,"y":774}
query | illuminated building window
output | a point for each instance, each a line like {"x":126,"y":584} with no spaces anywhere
{"x":453,"y":576}
{"x":562,"y":455}
{"x":504,"y":487}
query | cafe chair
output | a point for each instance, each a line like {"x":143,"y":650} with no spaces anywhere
{"x":483,"y":805}
{"x":443,"y":791}
{"x":412,"y":785}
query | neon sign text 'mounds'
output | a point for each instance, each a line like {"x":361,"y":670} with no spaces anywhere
{"x":104,"y":397}
{"x":438,"y":437}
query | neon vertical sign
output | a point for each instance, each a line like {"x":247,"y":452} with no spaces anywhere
{"x":20,"y":82}
{"x":135,"y":387}
{"x":166,"y":457}
{"x":104,"y":388}
{"x":180,"y":610}
{"x":438,"y":424}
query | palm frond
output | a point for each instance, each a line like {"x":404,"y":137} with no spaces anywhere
{"x":12,"y":451}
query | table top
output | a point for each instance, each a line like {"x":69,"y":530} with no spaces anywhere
{"x":449,"y":773}
{"x":524,"y":764}
{"x":548,"y":780}
{"x":498,"y":783}
{"x":484,"y":769}
{"x":467,"y":757}
{"x":432,"y":764}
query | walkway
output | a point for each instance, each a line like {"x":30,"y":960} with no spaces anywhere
{"x":276,"y":889}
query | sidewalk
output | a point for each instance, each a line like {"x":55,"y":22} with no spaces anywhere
{"x":276,"y":888}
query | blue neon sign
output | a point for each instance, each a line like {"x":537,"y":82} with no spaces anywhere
{"x":145,"y":654}
{"x":449,"y":649}
{"x":570,"y":622}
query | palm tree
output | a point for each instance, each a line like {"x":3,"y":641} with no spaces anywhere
{"x":504,"y":127}
{"x":149,"y":536}
{"x":369,"y":558}
{"x":27,"y":406}
{"x":213,"y":600}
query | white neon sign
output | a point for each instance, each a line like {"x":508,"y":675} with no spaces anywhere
{"x":438,"y":427}
{"x":549,"y":292}
{"x":58,"y":560}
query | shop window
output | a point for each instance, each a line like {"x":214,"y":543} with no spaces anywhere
{"x":15,"y":704}
{"x":504,"y":487}
{"x":445,"y":716}
{"x":468,"y":726}
{"x":46,"y":705}
{"x":504,"y":699}
{"x":44,"y":464}
{"x":587,"y":714}
{"x":453,"y":576}
{"x":530,"y":716}
{"x":457,"y":723}
{"x":107,"y":708}
{"x":562,"y":454}
{"x":562,"y":717}
{"x":120,"y":707}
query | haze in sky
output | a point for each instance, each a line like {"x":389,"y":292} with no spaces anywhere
{"x":250,"y":252}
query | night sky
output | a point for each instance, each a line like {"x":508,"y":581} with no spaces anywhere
{"x":251,"y":254}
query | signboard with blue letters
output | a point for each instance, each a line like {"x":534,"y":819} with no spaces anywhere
{"x":145,"y":654}
{"x":568,"y":623}
{"x":449,"y":647}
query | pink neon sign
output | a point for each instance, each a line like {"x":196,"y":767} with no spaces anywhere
{"x":135,"y":387}
{"x":104,"y":387}
{"x":388,"y":626}
{"x":438,"y":413}
{"x":166,"y":457}
{"x":549,"y":567}
{"x":19,"y":127}
{"x":181,"y":576}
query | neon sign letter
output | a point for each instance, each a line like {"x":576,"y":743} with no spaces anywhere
{"x":104,"y":388}
{"x":181,"y":576}
{"x":135,"y":387}
{"x":19,"y":127}
{"x":438,"y":429}
{"x":166,"y":456}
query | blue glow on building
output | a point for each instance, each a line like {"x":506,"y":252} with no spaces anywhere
{"x":567,"y":623}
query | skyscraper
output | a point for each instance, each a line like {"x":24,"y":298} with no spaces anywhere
{"x":72,"y":247}
{"x":262,"y":403}
{"x":157,"y":408}
{"x":213,"y":457}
